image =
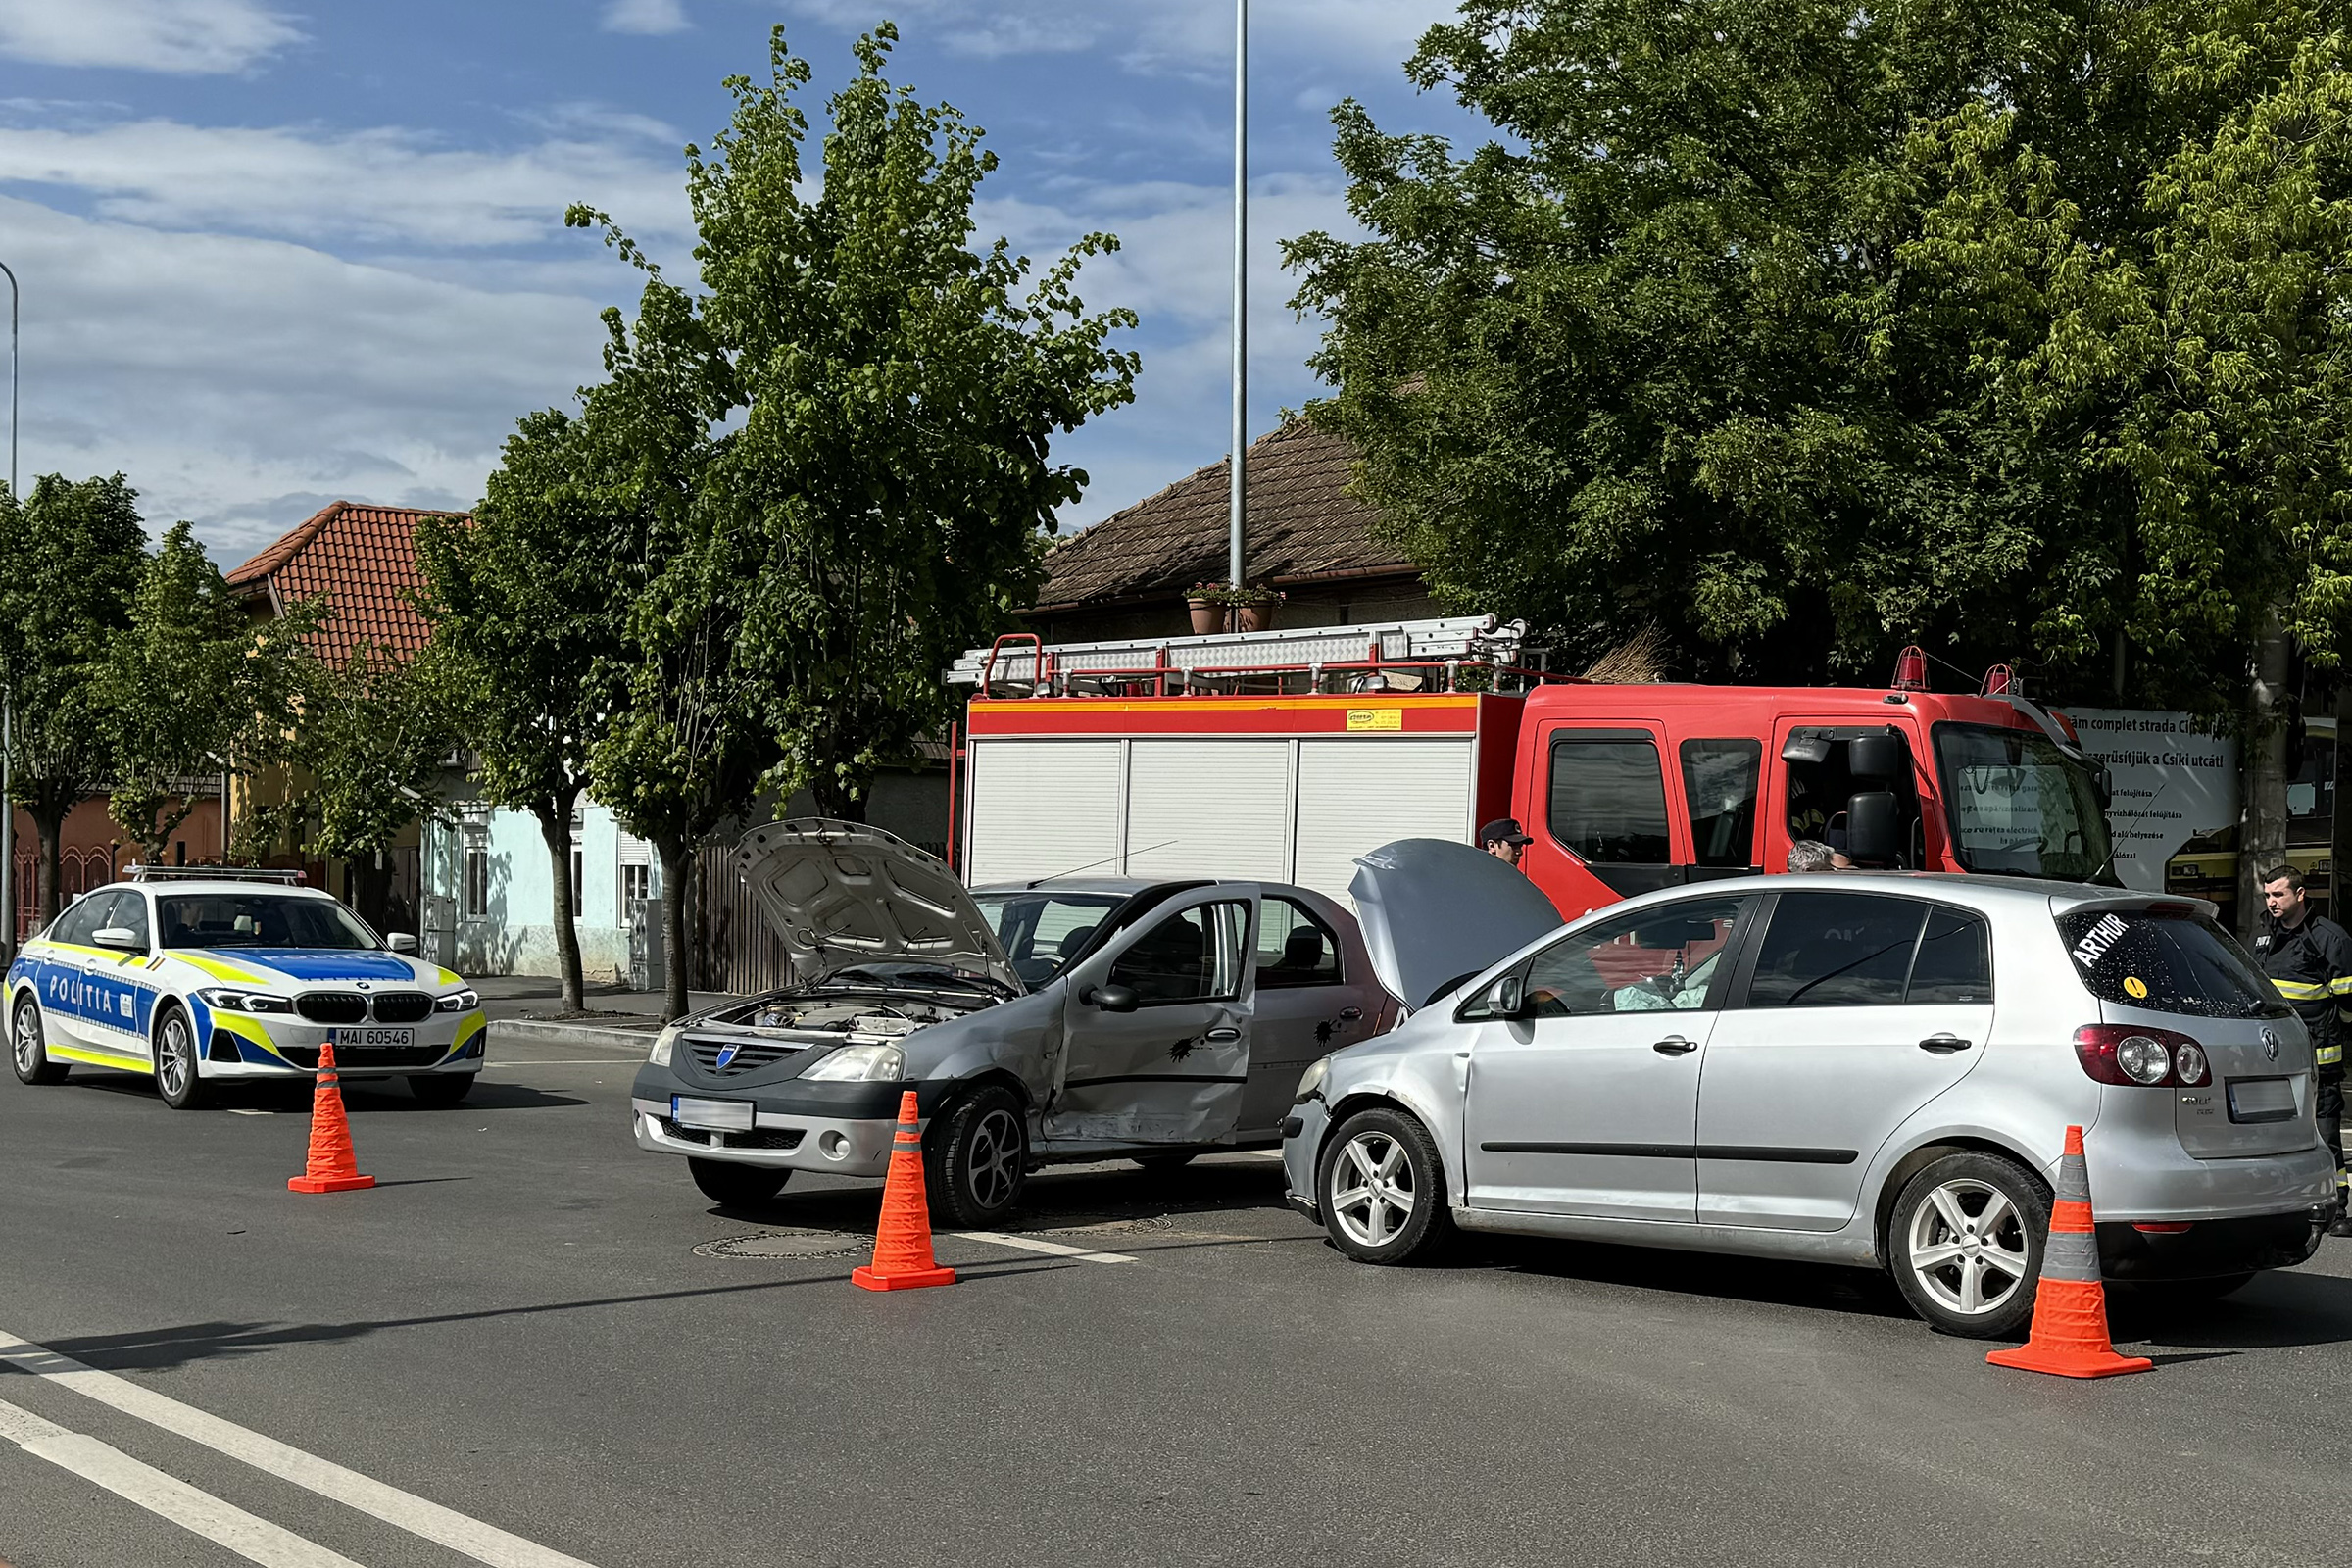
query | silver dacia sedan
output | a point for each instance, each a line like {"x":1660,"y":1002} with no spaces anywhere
{"x":1065,"y":1019}
{"x":1869,"y":1068}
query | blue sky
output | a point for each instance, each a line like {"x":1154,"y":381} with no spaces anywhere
{"x":274,"y":253}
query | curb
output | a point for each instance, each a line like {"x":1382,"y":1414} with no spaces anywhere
{"x":538,"y":1032}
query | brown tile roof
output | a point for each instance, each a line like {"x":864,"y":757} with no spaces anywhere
{"x":362,"y":562}
{"x":1300,"y":525}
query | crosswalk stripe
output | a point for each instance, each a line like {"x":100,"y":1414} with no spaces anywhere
{"x":101,"y":1464}
{"x":484,"y":1542}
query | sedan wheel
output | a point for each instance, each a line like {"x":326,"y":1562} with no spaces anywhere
{"x":1382,"y":1190}
{"x":976,"y":1159}
{"x":1966,"y":1244}
{"x":28,"y":1050}
{"x":175,"y":1077}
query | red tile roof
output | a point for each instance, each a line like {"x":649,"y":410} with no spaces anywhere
{"x":362,"y":562}
{"x":1300,"y":524}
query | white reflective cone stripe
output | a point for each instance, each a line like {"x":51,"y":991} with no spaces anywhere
{"x":1031,"y":1244}
{"x":484,"y":1544}
{"x":101,"y":1464}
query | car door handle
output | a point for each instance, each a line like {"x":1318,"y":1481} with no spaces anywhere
{"x":1675,"y":1046}
{"x":1943,"y":1045}
{"x":1351,"y":1014}
{"x":1224,"y":1035}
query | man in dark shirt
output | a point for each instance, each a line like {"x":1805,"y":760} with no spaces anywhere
{"x":2309,"y":958}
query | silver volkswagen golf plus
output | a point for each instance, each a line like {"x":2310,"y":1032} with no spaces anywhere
{"x":1871,"y":1070}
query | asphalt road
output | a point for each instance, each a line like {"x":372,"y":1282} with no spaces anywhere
{"x":533,"y":1340}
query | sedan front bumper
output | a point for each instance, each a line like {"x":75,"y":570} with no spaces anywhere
{"x":778,"y":1141}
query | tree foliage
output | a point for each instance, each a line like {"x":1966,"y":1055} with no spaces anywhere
{"x":1805,"y":332}
{"x":71,"y":557}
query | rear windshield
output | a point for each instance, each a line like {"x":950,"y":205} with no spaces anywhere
{"x":2173,"y":963}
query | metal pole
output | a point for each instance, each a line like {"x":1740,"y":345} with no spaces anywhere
{"x":1241,"y":283}
{"x":13,"y":293}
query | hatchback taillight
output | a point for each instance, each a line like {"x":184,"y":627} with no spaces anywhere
{"x":2139,"y":1057}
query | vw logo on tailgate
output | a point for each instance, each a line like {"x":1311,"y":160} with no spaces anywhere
{"x":2270,"y":1044}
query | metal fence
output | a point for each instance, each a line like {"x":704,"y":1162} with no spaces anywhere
{"x":731,"y":947}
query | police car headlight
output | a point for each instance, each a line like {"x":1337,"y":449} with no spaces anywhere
{"x":664,"y":1044}
{"x":244,"y":1001}
{"x":861,"y":1064}
{"x":1311,"y":1082}
{"x":460,"y":1001}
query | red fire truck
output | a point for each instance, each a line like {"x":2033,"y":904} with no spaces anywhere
{"x":1283,"y":755}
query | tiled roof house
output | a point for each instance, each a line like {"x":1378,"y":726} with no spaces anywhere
{"x":361,"y":561}
{"x":1302,"y":533}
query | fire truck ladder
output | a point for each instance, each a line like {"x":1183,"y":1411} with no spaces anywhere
{"x":1378,"y":655}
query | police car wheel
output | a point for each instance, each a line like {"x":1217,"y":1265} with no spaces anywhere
{"x":175,"y":1080}
{"x":441,"y":1088}
{"x":29,"y":1051}
{"x":733,"y":1186}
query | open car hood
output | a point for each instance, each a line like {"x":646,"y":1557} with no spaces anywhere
{"x":839,"y":894}
{"x":1436,"y":911}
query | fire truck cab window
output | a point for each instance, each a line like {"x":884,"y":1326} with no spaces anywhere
{"x":1821,"y":788}
{"x":1609,"y":800}
{"x":1720,"y":778}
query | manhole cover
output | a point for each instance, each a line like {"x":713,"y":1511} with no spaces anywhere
{"x":788,"y":1244}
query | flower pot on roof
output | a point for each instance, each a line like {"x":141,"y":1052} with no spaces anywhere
{"x":1207,"y":608}
{"x":1251,"y":608}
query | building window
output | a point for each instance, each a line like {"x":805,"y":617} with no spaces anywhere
{"x":477,"y":878}
{"x":636,"y":860}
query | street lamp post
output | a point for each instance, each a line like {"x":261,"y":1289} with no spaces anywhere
{"x":1241,"y":286}
{"x":8,"y":799}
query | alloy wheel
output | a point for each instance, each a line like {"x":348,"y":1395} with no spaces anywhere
{"x":174,"y":1061}
{"x":1968,"y":1246}
{"x":996,"y":1158}
{"x":1379,"y":1198}
{"x":26,"y":1041}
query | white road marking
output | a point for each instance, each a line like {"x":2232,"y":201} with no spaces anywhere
{"x":1034,"y":1244}
{"x":240,"y":1110}
{"x":484,"y":1542}
{"x":252,"y":1538}
{"x":1259,"y":1153}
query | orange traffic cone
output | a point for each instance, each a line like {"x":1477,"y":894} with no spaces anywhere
{"x":333,"y":1166}
{"x":2069,"y":1308}
{"x":902,"y":1257}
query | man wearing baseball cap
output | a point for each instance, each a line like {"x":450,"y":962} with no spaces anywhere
{"x":1502,"y":839}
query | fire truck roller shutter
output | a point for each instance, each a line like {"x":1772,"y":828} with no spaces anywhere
{"x":1042,"y":807}
{"x":1356,"y":795}
{"x":1210,"y":807}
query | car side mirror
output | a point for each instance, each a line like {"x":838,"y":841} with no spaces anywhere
{"x":2102,"y":784}
{"x":1874,"y":829}
{"x":1113,"y":999}
{"x":401,"y":942}
{"x":1510,"y":996}
{"x":118,"y":935}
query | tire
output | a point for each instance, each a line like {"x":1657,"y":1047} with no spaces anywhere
{"x":976,"y":1159}
{"x":441,"y":1090}
{"x":1382,"y":1190}
{"x":1964,"y":1244}
{"x":28,"y":1046}
{"x":176,"y":1082}
{"x":1174,"y":1160}
{"x":733,"y":1186}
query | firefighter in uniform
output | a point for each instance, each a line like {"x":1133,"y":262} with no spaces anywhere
{"x":2309,"y":958}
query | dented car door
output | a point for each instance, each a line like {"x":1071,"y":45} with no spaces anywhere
{"x":1157,"y":1026}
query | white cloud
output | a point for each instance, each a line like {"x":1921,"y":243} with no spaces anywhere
{"x":240,"y":382}
{"x":1153,"y":36}
{"x":652,"y":17}
{"x":180,"y":36}
{"x":380,"y":186}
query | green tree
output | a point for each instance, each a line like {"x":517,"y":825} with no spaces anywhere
{"x":190,"y":687}
{"x":525,"y":613}
{"x":891,"y":481}
{"x":71,"y":556}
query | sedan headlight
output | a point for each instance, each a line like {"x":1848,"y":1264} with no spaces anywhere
{"x":226,"y":1001}
{"x":460,"y":1001}
{"x":664,"y":1044}
{"x":1311,"y":1082}
{"x":875,"y":1063}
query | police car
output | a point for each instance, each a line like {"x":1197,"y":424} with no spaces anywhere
{"x":197,"y":978}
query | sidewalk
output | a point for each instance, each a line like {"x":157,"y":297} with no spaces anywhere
{"x":526,"y":1008}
